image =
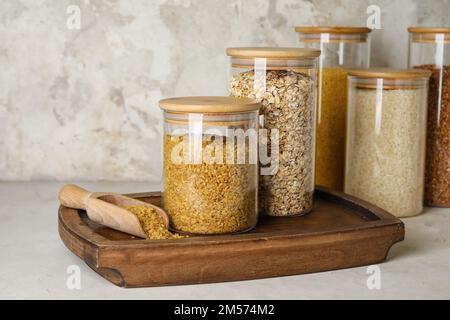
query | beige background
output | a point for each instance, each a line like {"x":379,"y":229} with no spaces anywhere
{"x":82,"y":104}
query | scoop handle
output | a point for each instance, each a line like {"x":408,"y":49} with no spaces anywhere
{"x":73,"y":196}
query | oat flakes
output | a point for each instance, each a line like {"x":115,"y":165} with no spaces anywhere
{"x":288,"y":104}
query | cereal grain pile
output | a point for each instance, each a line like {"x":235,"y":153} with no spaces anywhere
{"x":386,"y":150}
{"x":331,"y":126}
{"x":437,"y":178}
{"x":152,"y":223}
{"x":288,"y":105}
{"x":209,"y":198}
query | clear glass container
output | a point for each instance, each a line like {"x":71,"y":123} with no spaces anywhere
{"x":342,"y":48}
{"x":284,"y":80}
{"x":386,"y":132}
{"x":210,"y":173}
{"x":429,"y":49}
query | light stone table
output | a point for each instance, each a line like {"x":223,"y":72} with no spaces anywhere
{"x":34,"y":262}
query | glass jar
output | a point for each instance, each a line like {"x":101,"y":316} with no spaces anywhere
{"x":210,"y":173}
{"x":284,"y":80}
{"x":342,"y":48}
{"x":386,"y":129}
{"x":429,"y":49}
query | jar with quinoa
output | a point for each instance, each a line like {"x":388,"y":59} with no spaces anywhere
{"x":386,"y":138}
{"x":429,"y":49}
{"x":210,"y":170}
{"x":341,"y":48}
{"x":284,"y":81}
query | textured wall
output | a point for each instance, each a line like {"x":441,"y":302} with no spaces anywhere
{"x":82,"y":104}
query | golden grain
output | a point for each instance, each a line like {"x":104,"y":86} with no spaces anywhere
{"x":209,"y":198}
{"x":152,"y":223}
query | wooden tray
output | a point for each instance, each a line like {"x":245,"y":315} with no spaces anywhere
{"x":341,"y":232}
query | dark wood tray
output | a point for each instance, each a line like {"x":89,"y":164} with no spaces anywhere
{"x":340,"y":232}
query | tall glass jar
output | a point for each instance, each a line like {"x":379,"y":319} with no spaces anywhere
{"x":284,"y":80}
{"x":386,"y":131}
{"x":342,"y":48}
{"x":210,"y":171}
{"x":429,"y":49}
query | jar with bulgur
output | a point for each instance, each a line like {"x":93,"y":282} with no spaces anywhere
{"x":284,"y":81}
{"x":386,"y":138}
{"x":429,"y":49}
{"x":341,"y":48}
{"x":210,"y":173}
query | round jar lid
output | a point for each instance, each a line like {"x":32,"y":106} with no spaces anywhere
{"x":428,"y":30}
{"x":430,"y":35}
{"x":390,"y":73}
{"x":211,"y":104}
{"x":332,"y":29}
{"x":273,"y":53}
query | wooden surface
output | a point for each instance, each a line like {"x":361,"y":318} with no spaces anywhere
{"x":340,"y":232}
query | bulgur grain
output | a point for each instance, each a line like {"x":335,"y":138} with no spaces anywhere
{"x":152,"y":223}
{"x":208,"y":198}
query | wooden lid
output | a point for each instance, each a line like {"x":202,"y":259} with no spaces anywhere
{"x":430,"y":35}
{"x":272,"y":53}
{"x":209,"y":104}
{"x":390,"y":73}
{"x":332,"y":29}
{"x":428,"y":30}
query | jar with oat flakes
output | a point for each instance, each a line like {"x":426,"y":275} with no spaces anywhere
{"x":210,"y":173}
{"x":429,"y":49}
{"x":341,"y":48}
{"x":386,"y":130}
{"x":284,"y":80}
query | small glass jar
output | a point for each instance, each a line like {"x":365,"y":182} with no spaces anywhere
{"x":342,"y":48}
{"x":284,"y":80}
{"x":429,"y":49}
{"x":386,"y":129}
{"x":210,"y":173}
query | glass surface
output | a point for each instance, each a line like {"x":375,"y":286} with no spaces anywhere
{"x":211,"y":172}
{"x":385,"y":150}
{"x":432,"y":52}
{"x":339,"y":52}
{"x":287,"y":90}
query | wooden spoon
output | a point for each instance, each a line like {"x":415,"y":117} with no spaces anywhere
{"x":108,"y":208}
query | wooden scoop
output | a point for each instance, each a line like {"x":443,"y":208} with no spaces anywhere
{"x":108,"y":208}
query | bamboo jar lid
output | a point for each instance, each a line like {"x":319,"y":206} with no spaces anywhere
{"x":211,"y":104}
{"x":429,"y":30}
{"x":334,"y":34}
{"x":430,"y":34}
{"x":390,"y":73}
{"x":276,"y":58}
{"x":394,"y":78}
{"x":332,"y":29}
{"x":273,"y":53}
